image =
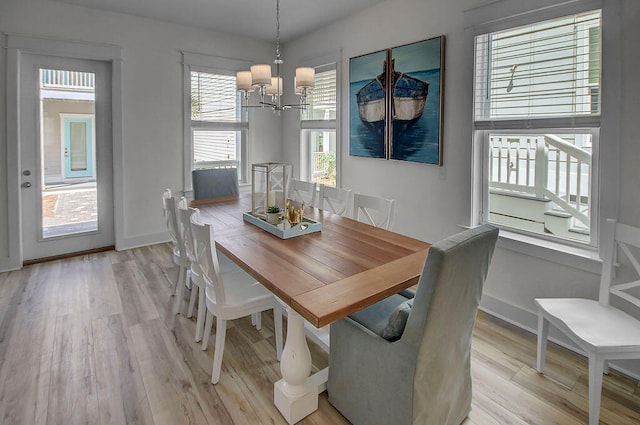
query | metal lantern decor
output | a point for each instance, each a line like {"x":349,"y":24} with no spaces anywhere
{"x":270,"y":208}
{"x":269,"y":186}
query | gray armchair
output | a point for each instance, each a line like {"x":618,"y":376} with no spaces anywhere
{"x":214,"y":183}
{"x":384,"y":372}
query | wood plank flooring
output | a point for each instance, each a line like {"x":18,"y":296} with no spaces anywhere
{"x":93,"y":340}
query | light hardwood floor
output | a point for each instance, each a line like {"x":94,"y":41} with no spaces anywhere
{"x":93,"y":339}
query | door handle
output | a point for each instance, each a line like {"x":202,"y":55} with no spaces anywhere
{"x":26,"y":185}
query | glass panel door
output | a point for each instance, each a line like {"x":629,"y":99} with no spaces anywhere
{"x":69,"y":189}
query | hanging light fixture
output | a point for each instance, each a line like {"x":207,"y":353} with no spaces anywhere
{"x":259,"y":78}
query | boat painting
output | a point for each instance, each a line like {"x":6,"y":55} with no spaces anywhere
{"x":413,"y":132}
{"x":408,"y":99}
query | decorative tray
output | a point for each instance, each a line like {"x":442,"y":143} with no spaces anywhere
{"x":283,"y":229}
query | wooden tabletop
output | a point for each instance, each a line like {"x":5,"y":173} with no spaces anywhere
{"x":324,"y":276}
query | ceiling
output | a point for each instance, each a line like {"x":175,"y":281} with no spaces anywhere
{"x":251,"y":18}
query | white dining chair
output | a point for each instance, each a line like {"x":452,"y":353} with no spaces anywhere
{"x":198,"y":285}
{"x":179,"y":253}
{"x":602,"y":331}
{"x":333,"y":199}
{"x":303,"y":192}
{"x":229,"y":296}
{"x":378,"y":212}
{"x":194,"y":277}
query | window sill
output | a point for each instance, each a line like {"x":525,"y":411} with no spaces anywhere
{"x":577,"y":257}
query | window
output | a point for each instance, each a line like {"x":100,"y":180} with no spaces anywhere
{"x":537,"y":122}
{"x":318,"y":129}
{"x":218,"y":125}
{"x":216,"y":128}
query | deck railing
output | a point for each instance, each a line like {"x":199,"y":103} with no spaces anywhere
{"x":55,"y":78}
{"x":543,"y":166}
{"x":318,"y":167}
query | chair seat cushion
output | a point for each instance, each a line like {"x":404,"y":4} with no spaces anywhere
{"x":602,"y":328}
{"x":386,"y":318}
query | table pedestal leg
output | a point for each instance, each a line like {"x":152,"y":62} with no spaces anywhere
{"x":294,"y":395}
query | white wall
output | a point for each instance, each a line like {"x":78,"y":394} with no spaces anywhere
{"x":152,"y":99}
{"x":433,"y":201}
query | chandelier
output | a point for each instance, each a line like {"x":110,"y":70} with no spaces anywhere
{"x":259,"y":78}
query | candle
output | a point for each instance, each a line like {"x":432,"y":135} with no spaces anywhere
{"x":271,"y":198}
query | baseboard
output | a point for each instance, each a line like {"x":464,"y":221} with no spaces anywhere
{"x":7,"y":264}
{"x":143,"y":240}
{"x":67,"y":255}
{"x":528,"y":321}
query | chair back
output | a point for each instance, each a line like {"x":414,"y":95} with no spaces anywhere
{"x":206,"y":256}
{"x":215,"y":183}
{"x":378,"y":212}
{"x":441,"y":320}
{"x":184,"y":227}
{"x":169,"y":208}
{"x":618,"y":237}
{"x":303,"y":192}
{"x":333,"y":199}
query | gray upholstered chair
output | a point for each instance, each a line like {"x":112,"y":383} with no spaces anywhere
{"x":382,"y":371}
{"x":214,"y":183}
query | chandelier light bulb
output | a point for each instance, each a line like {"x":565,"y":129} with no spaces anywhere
{"x":261,"y":75}
{"x":276,"y":87}
{"x":305,"y":78}
{"x":243,"y":81}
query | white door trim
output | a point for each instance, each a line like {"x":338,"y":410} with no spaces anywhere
{"x":17,"y":45}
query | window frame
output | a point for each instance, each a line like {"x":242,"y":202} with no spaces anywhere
{"x":320,"y":64}
{"x":214,"y":65}
{"x":306,"y":165}
{"x":507,"y":14}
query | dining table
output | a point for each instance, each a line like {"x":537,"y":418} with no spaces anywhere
{"x":319,"y":277}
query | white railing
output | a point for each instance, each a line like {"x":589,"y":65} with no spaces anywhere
{"x":55,"y":78}
{"x":317,"y":165}
{"x":543,"y":166}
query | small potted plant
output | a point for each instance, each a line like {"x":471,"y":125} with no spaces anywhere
{"x":273,"y":214}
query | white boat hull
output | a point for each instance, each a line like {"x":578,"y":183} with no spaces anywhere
{"x":408,"y":108}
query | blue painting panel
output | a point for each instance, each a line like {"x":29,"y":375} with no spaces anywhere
{"x":416,"y":103}
{"x":367,"y":105}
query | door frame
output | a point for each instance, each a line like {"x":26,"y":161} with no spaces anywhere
{"x":16,"y":46}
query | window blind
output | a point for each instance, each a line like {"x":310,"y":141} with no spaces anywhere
{"x":549,"y":69}
{"x":214,"y":97}
{"x":212,"y":145}
{"x":322,"y":102}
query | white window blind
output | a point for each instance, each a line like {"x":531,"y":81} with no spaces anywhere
{"x":214,"y":97}
{"x":322,"y":102}
{"x":550,"y":69}
{"x":213,"y":145}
